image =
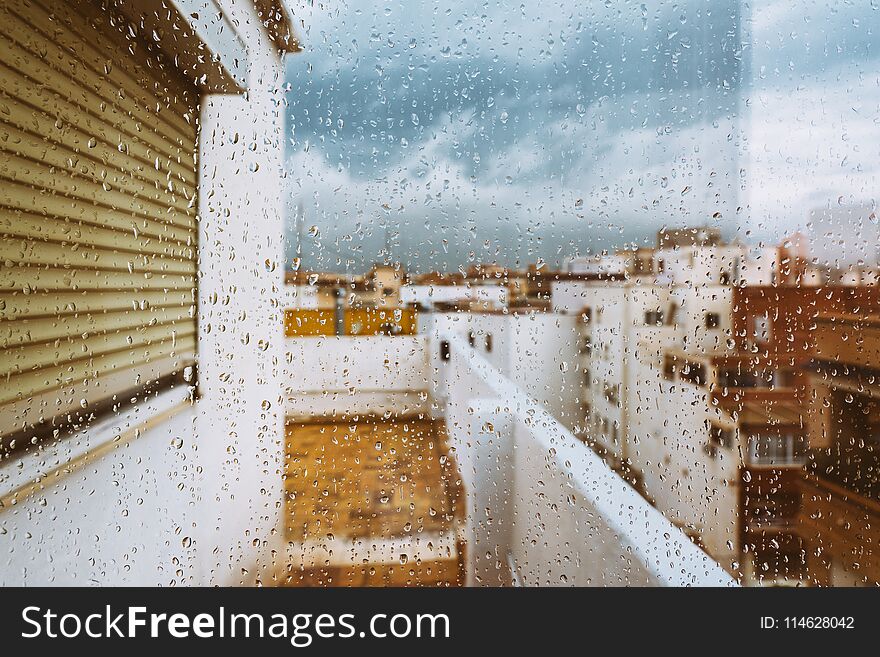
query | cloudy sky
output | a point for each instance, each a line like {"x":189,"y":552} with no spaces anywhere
{"x":438,"y":134}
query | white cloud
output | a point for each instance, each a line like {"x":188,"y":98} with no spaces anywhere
{"x":810,"y":146}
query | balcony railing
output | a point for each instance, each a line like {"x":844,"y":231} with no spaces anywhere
{"x":543,"y":509}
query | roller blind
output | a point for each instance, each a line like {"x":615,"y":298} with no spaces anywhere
{"x":97,"y":213}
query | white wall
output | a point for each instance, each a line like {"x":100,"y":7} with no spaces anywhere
{"x":298,"y":296}
{"x":545,"y":505}
{"x":689,"y":486}
{"x":495,"y":295}
{"x":569,"y":296}
{"x":537,"y":350}
{"x":694,"y":303}
{"x":241,"y":350}
{"x":611,"y":318}
{"x":544,"y":362}
{"x":339,"y":375}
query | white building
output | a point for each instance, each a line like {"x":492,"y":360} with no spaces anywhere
{"x":651,"y":432}
{"x":487,"y":296}
{"x":653,"y":353}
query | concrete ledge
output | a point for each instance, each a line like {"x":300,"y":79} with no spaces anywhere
{"x":305,"y":406}
{"x":197,"y":36}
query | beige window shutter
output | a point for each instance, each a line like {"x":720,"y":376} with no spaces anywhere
{"x":97,"y":214}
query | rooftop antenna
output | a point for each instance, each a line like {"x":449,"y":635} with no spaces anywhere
{"x":387,"y":246}
{"x":300,"y":219}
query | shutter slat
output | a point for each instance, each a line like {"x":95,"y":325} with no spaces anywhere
{"x":41,"y":74}
{"x":174,"y":94}
{"x":78,"y":161}
{"x":21,"y":385}
{"x":18,"y":197}
{"x":35,"y":252}
{"x":51,"y":355}
{"x":62,"y":60}
{"x":64,"y":31}
{"x":17,"y":306}
{"x":59,"y":279}
{"x":24,"y":103}
{"x":16,"y":334}
{"x":37,"y":175}
{"x":31,"y":226}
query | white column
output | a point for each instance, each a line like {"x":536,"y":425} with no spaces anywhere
{"x":241,"y":244}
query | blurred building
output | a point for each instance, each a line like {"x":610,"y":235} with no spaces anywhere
{"x":694,"y":380}
{"x":840,"y":512}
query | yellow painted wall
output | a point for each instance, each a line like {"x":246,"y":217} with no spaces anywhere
{"x":301,"y":322}
{"x":369,"y":321}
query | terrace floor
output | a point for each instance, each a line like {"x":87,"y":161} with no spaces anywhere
{"x":372,"y":502}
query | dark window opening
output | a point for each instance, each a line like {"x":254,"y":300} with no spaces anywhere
{"x":444,"y":350}
{"x":694,"y":373}
{"x":654,"y":317}
{"x":669,"y":368}
{"x":721,"y":437}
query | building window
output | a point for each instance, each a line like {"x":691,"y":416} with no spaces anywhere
{"x":761,"y":329}
{"x":694,"y":373}
{"x":713,"y":320}
{"x":719,"y":438}
{"x":611,"y":393}
{"x":786,"y":449}
{"x":654,"y":317}
{"x":488,"y":343}
{"x":472,"y":339}
{"x":669,"y":367}
{"x":444,"y":350}
{"x":586,"y":345}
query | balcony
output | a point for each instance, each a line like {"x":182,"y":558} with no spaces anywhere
{"x":848,"y":339}
{"x":372,"y":502}
{"x":519,"y":499}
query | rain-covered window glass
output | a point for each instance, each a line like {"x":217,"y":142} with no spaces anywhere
{"x":379,"y":292}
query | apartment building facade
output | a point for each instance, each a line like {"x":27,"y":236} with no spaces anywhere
{"x":840,"y":511}
{"x":694,"y":385}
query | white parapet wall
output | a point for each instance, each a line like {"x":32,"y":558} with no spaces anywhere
{"x":426,"y":295}
{"x":543,"y":508}
{"x":538,"y":351}
{"x":329,"y":376}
